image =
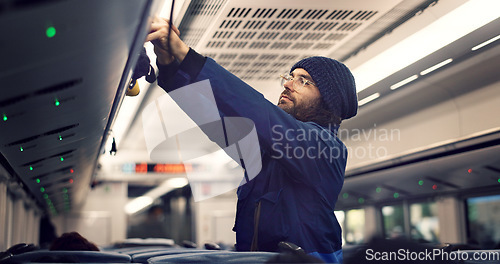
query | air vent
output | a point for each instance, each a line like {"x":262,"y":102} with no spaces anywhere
{"x":199,"y":16}
{"x":363,"y":15}
{"x":321,"y":46}
{"x":239,"y":12}
{"x":304,"y":28}
{"x":52,"y":132}
{"x":268,"y":35}
{"x":57,"y":182}
{"x":13,"y":5}
{"x":65,"y":170}
{"x":58,"y":155}
{"x":445,"y":183}
{"x":46,"y":90}
{"x":493,"y":169}
{"x":58,"y":87}
{"x":259,"y":45}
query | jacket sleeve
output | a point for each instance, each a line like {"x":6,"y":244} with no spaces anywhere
{"x":305,"y":149}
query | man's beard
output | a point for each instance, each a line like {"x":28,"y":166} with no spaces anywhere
{"x":303,"y":111}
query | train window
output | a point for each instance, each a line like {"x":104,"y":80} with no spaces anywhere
{"x":394,"y":225}
{"x":9,"y":221}
{"x":424,"y":222}
{"x":341,"y":219}
{"x":484,"y":216}
{"x":3,"y":215}
{"x":355,"y":226}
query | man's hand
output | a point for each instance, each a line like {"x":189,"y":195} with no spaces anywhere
{"x":158,"y":36}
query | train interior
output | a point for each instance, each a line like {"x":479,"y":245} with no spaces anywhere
{"x":79,"y":155}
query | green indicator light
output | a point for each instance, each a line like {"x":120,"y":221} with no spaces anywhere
{"x":361,"y":200}
{"x":60,"y":137}
{"x":42,"y":189}
{"x":21,"y":148}
{"x":396,"y":195}
{"x":50,"y":32}
{"x":56,"y":102}
{"x":345,"y":195}
{"x":31,"y":168}
{"x":37,"y":180}
{"x":46,"y":196}
{"x":498,"y":180}
{"x":62,"y":159}
{"x":420,"y":182}
{"x":378,"y":189}
{"x":65,"y":190}
{"x":4,"y":117}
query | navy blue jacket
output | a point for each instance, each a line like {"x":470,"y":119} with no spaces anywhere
{"x":303,"y":166}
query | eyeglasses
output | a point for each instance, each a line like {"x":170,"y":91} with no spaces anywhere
{"x":299,"y":82}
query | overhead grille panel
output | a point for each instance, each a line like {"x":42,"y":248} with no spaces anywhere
{"x":236,"y":32}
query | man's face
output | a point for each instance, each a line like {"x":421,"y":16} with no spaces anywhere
{"x":297,"y":100}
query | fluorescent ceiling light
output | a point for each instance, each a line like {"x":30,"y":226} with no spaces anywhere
{"x":368,"y":99}
{"x":486,"y":43}
{"x":435,"y":67}
{"x":403,"y":82}
{"x":177,"y":182}
{"x":448,"y":28}
{"x":137,"y":204}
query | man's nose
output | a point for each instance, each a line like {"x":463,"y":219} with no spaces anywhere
{"x":288,"y":85}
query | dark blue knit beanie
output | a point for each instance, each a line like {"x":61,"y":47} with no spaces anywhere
{"x":335,"y":83}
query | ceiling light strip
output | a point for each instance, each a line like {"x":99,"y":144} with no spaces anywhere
{"x":403,"y":82}
{"x":410,"y":50}
{"x":486,"y":43}
{"x":368,"y":99}
{"x":435,"y":67}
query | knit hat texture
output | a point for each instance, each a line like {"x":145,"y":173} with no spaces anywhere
{"x":335,"y":83}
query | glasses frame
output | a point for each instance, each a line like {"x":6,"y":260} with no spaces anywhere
{"x":299,"y":82}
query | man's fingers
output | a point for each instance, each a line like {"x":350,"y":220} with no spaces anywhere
{"x":155,"y":26}
{"x":176,"y":30}
{"x":154,"y":35}
{"x":162,"y":26}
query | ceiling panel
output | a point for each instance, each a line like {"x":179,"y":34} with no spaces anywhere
{"x":258,"y":40}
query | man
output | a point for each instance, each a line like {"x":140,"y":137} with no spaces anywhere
{"x":303,"y":162}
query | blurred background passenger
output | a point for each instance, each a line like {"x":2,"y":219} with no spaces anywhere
{"x":73,"y":241}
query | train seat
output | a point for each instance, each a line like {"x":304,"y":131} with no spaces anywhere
{"x":138,"y":250}
{"x":70,"y":256}
{"x":215,"y":257}
{"x":143,"y":257}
